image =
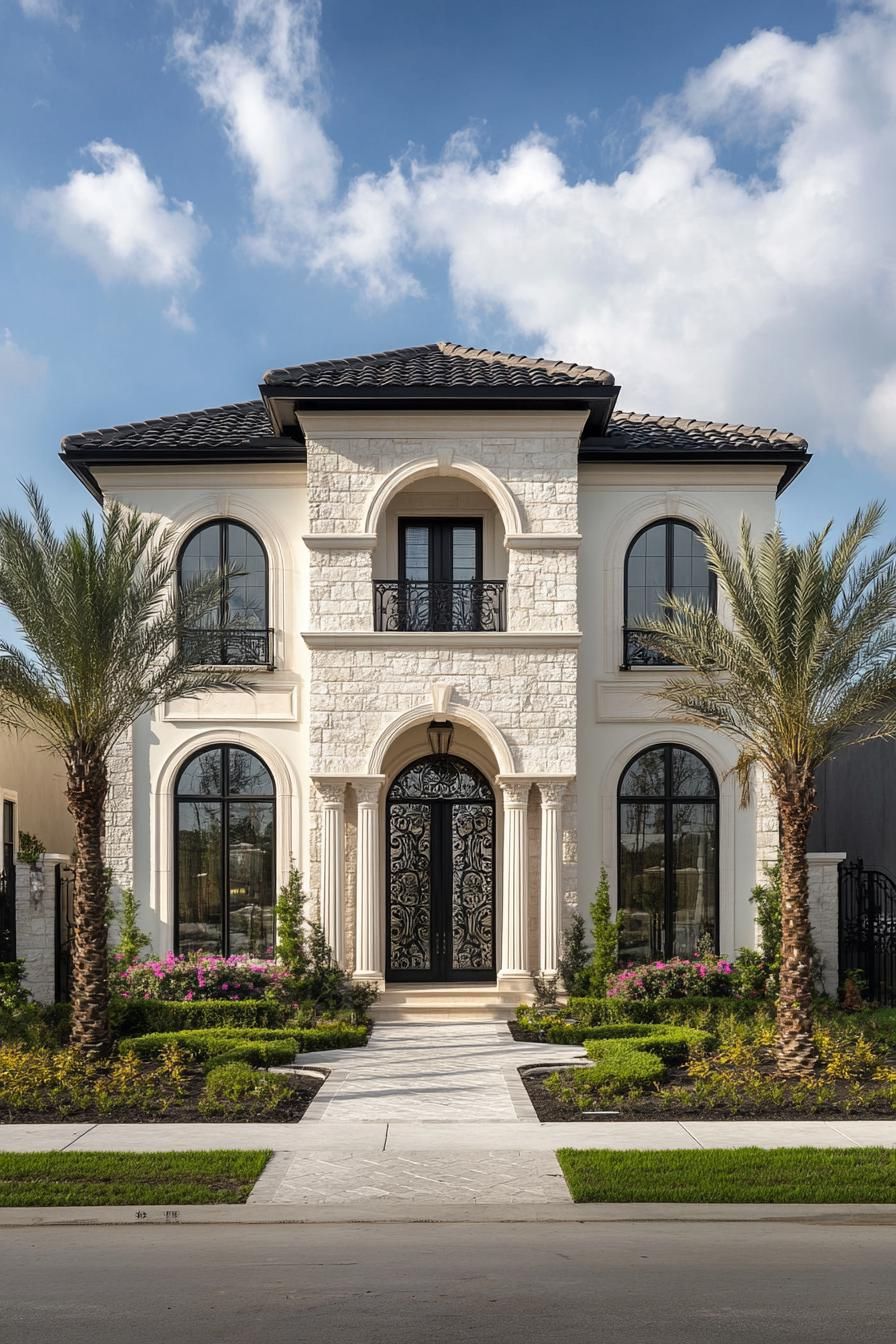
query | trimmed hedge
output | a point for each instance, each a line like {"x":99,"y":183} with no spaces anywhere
{"x":260,"y":1054}
{"x":205,"y":1044}
{"x":138,"y":1017}
{"x":589,"y":1012}
{"x":630,"y":1057}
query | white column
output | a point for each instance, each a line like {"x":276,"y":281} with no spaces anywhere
{"x":551,"y":876}
{"x":332,"y":863}
{"x":515,"y":912}
{"x":369,"y":949}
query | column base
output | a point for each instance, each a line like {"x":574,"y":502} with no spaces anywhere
{"x":516,"y":982}
{"x":374,"y":978}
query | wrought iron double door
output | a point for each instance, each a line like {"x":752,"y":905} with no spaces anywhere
{"x":440,"y":844}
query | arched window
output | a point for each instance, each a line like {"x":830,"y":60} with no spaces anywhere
{"x":666,"y":557}
{"x":236,"y":630}
{"x":668,"y":854}
{"x":224,"y":854}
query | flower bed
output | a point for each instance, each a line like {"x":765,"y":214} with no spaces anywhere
{"x":200,"y":977}
{"x":675,"y":979}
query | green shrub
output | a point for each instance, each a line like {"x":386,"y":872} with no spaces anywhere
{"x":604,"y":938}
{"x":260,"y":1054}
{"x":30,"y":849}
{"x":590,"y":1011}
{"x":132,"y":941}
{"x":204,"y":1044}
{"x":620,"y":1069}
{"x":576,"y":957}
{"x":673,"y":1045}
{"x":626,"y":1057}
{"x":139,"y":1016}
{"x":239,"y":1090}
{"x":288,"y":918}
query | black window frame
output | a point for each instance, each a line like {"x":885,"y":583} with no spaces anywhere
{"x":222,"y":628}
{"x":440,"y":548}
{"x":657,"y":660}
{"x":666,"y":800}
{"x":224,"y":798}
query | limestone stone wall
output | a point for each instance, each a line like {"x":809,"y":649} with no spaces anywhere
{"x":119,"y":835}
{"x":36,"y":924}
{"x":824,"y":914}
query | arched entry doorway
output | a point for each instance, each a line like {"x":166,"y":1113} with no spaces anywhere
{"x":440,"y":873}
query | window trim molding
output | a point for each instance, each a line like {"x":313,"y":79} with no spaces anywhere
{"x":223,"y":522}
{"x":669,"y":522}
{"x":667,"y":802}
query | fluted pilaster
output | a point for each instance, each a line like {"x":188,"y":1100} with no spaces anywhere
{"x":332,"y":863}
{"x":551,"y":792}
{"x":369,"y":949}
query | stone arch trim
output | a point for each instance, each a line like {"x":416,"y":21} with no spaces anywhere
{"x":288,"y":809}
{"x":470,"y":718}
{"x":442,"y":465}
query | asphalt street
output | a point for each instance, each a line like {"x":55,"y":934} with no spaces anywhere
{"x":681,"y":1283}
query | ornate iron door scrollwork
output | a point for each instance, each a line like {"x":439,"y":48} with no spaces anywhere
{"x":440,"y":846}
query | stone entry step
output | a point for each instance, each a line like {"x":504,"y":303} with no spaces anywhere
{"x":438,"y":1003}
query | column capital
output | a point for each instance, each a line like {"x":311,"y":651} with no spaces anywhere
{"x":367,"y":788}
{"x":552,"y":791}
{"x":331,"y":789}
{"x":515,"y":791}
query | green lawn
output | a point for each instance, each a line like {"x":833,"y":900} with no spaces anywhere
{"x":39,"y":1180}
{"x":732,"y":1176}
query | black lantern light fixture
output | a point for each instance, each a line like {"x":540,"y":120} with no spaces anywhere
{"x":440,"y":732}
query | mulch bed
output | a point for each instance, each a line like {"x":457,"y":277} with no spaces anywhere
{"x":304,"y":1090}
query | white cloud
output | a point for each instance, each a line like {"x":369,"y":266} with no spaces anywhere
{"x":766,"y":296}
{"x":120,"y":221}
{"x":19,"y":370}
{"x":178,"y":316}
{"x":49,"y":9}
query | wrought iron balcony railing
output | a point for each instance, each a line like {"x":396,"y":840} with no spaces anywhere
{"x":637,"y":653}
{"x":413,"y":605}
{"x":225,"y":646}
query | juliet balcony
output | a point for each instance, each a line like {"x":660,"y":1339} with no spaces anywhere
{"x":417,"y":605}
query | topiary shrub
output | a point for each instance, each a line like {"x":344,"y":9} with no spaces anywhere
{"x":239,"y":1091}
{"x":260,"y":1054}
{"x":204,"y":1044}
{"x":140,"y":1016}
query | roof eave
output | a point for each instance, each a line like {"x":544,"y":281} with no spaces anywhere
{"x":83,"y":460}
{"x":792,"y":460}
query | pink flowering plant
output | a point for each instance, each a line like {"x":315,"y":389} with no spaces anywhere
{"x":674,"y":979}
{"x":200,"y":976}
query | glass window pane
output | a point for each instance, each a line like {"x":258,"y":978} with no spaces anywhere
{"x":691,"y":777}
{"x":645,"y":777}
{"x":463,"y":554}
{"x":646,"y":579}
{"x":199,"y":559}
{"x":199,"y":877}
{"x":691,"y":577}
{"x":251,"y":867}
{"x":248,"y":774}
{"x":202,"y":775}
{"x":247,"y":585}
{"x":642,"y":881}
{"x":694,"y":875}
{"x":416,"y":553}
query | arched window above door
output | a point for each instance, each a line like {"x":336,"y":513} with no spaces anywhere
{"x":668,"y":819}
{"x":235,"y":631}
{"x":224,"y":823}
{"x":666,"y":557}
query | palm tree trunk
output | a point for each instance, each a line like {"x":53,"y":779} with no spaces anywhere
{"x":86,"y":793}
{"x":795,"y":1047}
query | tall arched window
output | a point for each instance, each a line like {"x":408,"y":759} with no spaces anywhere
{"x":668,"y":854}
{"x":235,"y":631}
{"x":224,"y":853}
{"x":666,"y":557}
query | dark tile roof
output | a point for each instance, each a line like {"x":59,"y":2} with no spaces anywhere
{"x":439,"y":365}
{"x":664,"y":433}
{"x":219,"y":427}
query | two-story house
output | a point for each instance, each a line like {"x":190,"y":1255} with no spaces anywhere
{"x":443,"y":557}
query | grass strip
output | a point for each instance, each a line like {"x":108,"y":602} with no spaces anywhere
{"x":731,"y":1176}
{"x":44,"y":1180}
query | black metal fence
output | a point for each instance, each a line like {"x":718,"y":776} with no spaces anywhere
{"x":8,"y":913}
{"x":637,"y":653}
{"x":65,"y":927}
{"x":867,"y":901}
{"x":414,"y":605}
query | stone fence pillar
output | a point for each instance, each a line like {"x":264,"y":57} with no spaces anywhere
{"x":36,"y":924}
{"x":824,"y":915}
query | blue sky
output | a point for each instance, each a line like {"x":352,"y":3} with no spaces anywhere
{"x":697,"y":196}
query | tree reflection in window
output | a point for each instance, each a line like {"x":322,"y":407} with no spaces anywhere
{"x":668,"y":817}
{"x":224,"y":853}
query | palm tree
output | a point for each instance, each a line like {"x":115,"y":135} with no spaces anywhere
{"x":809,"y":656}
{"x":100,"y":619}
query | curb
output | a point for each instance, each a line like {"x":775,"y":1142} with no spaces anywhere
{"x":820,"y":1215}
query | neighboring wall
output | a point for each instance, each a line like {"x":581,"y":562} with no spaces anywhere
{"x":35,"y":780}
{"x":856,"y":802}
